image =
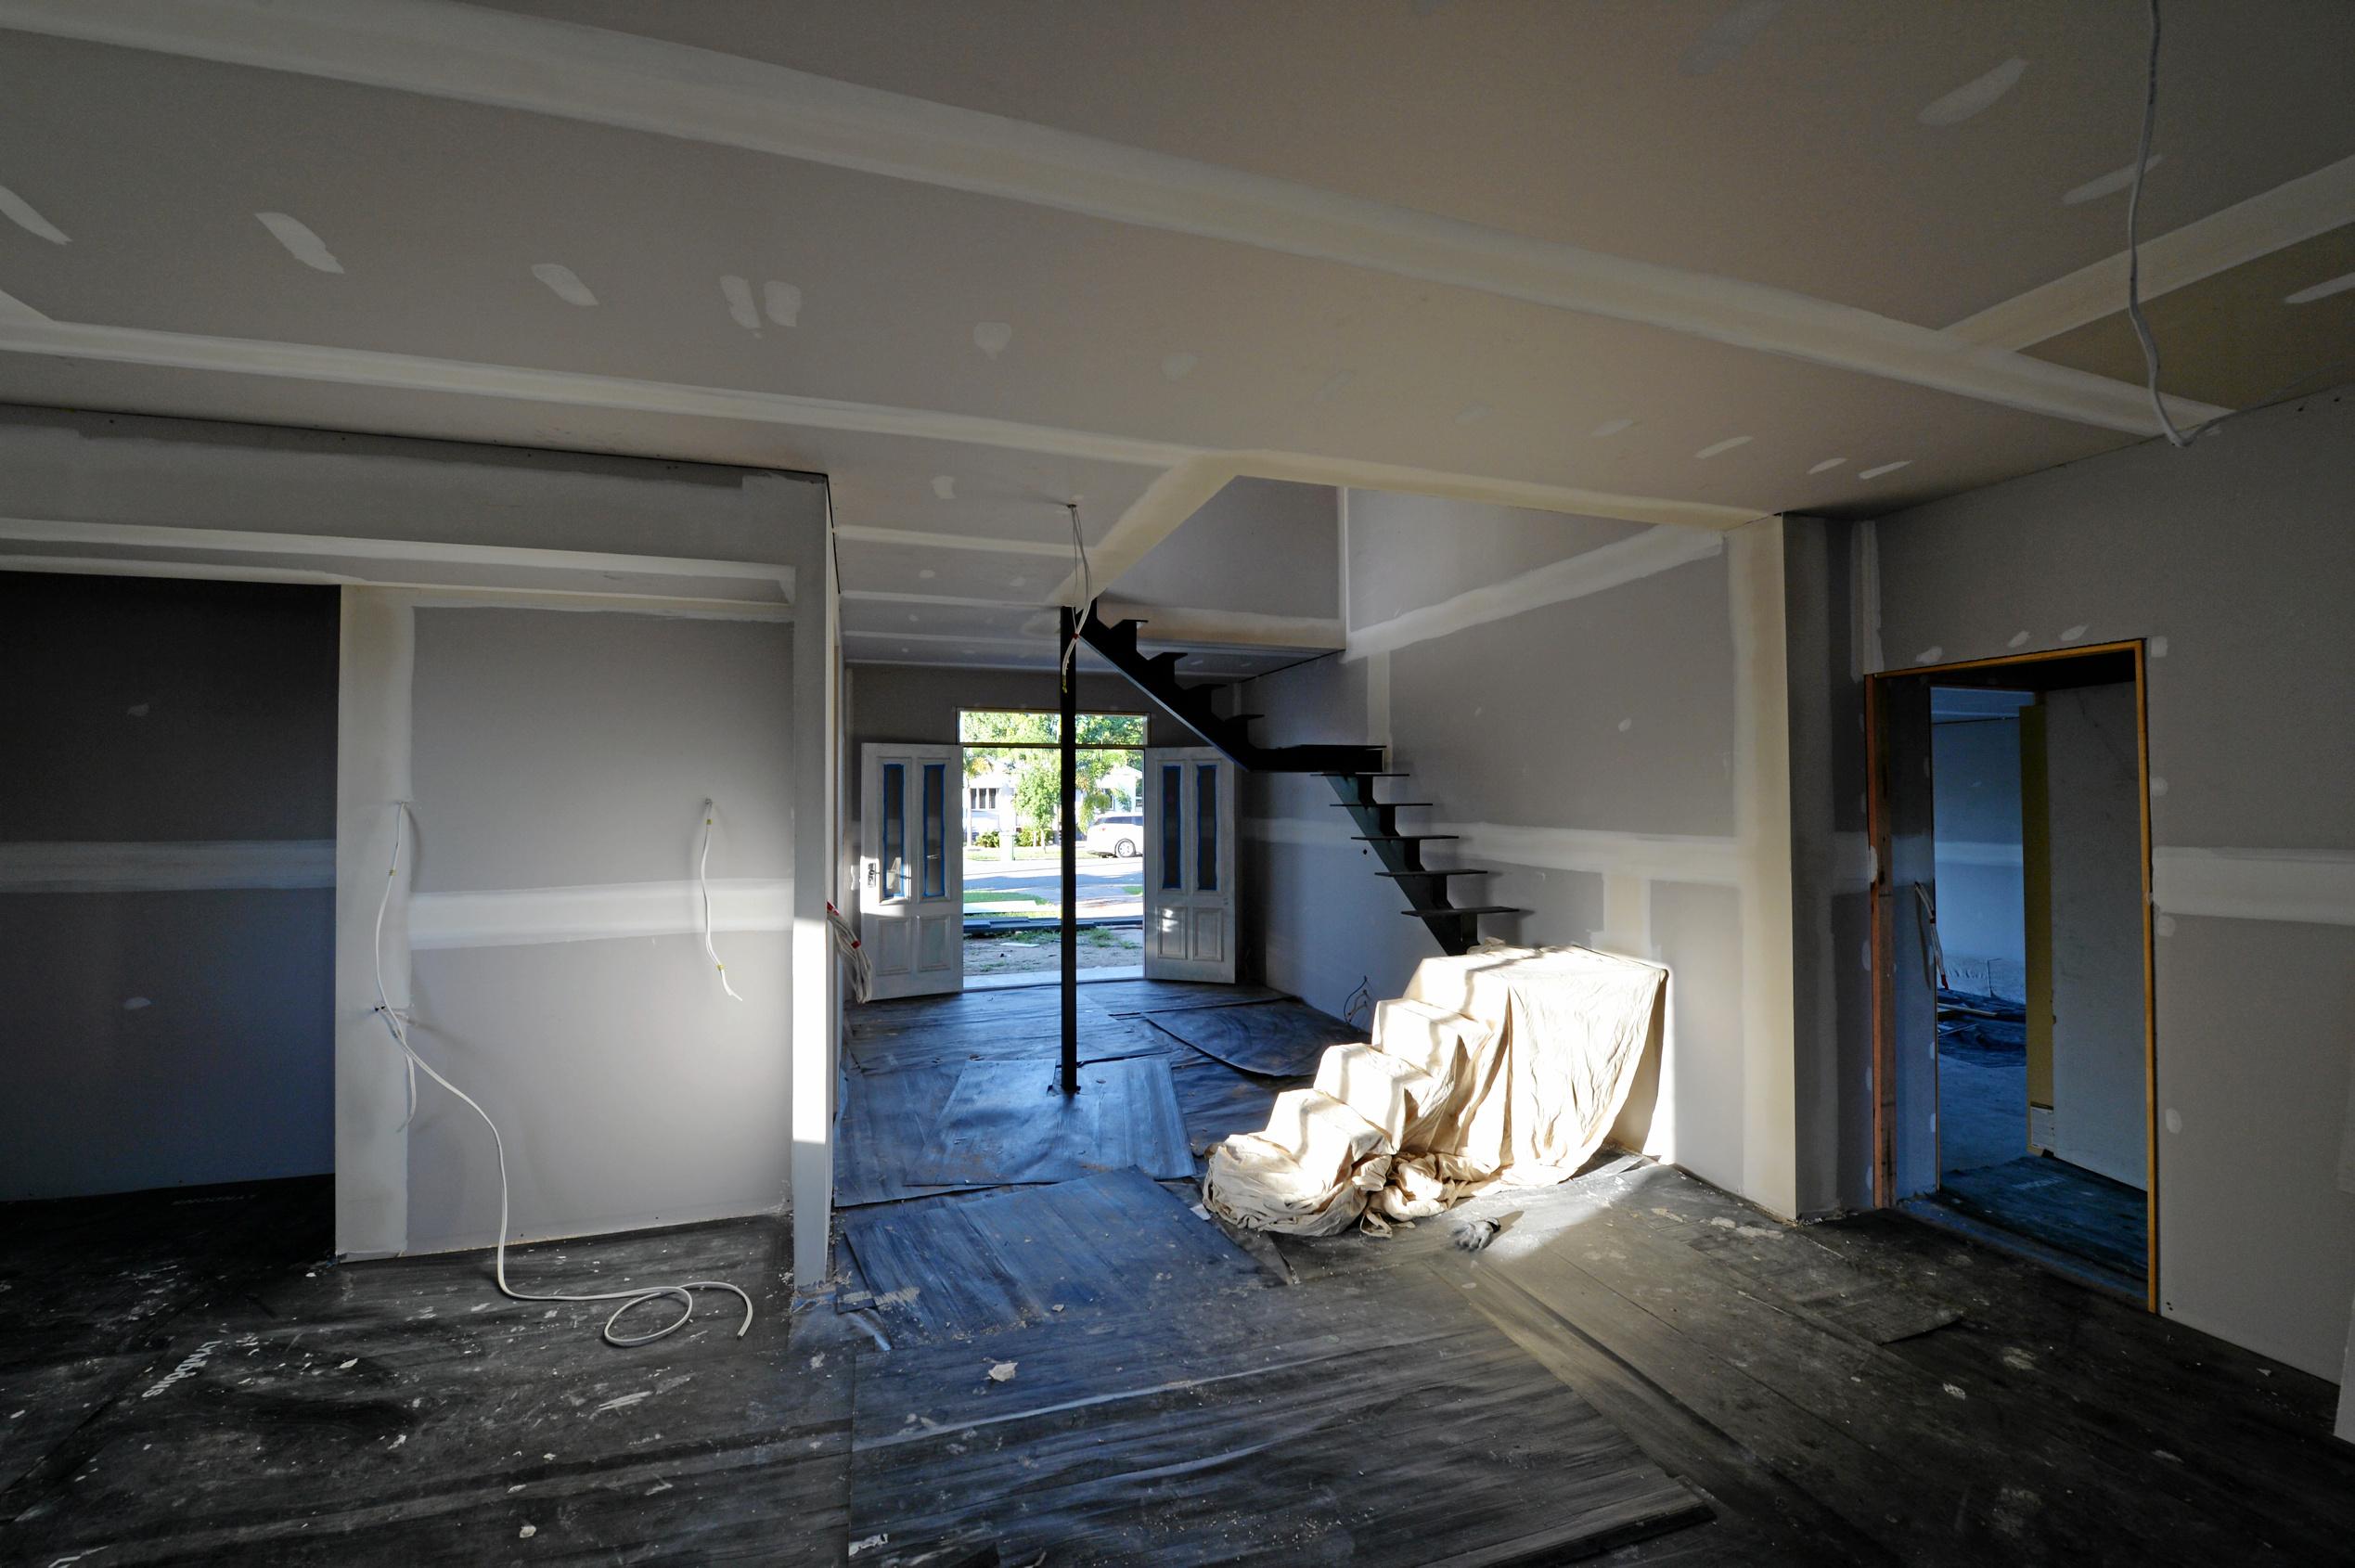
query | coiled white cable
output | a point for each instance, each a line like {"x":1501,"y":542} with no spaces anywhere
{"x":397,"y":1025}
{"x":703,"y":886}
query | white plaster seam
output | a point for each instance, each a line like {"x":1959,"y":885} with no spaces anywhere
{"x":2310,"y":886}
{"x":606,"y":78}
{"x":1621,"y":561}
{"x":149,"y":536}
{"x":909,"y":538}
{"x":2310,"y":205}
{"x":13,"y":308}
{"x":522,"y":917}
{"x":190,"y":866}
{"x":368,"y":367}
{"x":423,"y":595}
{"x":1656,"y":857}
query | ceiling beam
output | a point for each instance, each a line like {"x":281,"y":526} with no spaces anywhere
{"x":2311,"y":205}
{"x":909,"y":538}
{"x":371,"y":368}
{"x":1181,"y":491}
{"x":561,"y":68}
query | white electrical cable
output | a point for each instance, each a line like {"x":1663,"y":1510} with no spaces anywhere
{"x":1086,"y":590}
{"x":703,"y":885}
{"x":396,"y":1022}
{"x":2133,"y":251}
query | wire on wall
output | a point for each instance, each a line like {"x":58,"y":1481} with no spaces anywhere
{"x":396,"y":1022}
{"x":703,"y":887}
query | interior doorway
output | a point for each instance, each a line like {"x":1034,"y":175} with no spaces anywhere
{"x":2012,"y":1031}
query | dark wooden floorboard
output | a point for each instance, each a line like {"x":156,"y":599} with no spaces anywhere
{"x":1273,"y":1039}
{"x":1117,"y":1242}
{"x":1007,"y":1122}
{"x":1812,"y":1279}
{"x":2065,"y":1207}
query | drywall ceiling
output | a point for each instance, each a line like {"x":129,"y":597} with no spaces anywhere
{"x":1609,"y":259}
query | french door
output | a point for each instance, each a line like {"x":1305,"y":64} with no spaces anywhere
{"x":1190,"y":865}
{"x":911,"y":869}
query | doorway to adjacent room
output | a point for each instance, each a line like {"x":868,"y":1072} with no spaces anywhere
{"x":2014,"y":1043}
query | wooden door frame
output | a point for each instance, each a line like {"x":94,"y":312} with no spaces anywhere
{"x":1877,"y":817}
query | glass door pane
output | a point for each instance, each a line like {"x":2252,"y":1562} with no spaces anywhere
{"x":936,"y":829}
{"x":1173,"y":842}
{"x":1207,"y":828}
{"x":894,"y":844}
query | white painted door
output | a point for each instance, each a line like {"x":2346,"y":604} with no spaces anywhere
{"x":1190,"y":865}
{"x":911,"y":869}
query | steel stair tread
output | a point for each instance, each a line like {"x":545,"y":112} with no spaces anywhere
{"x":1463,"y":910}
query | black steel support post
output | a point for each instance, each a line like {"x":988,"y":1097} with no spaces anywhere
{"x":1070,"y":840}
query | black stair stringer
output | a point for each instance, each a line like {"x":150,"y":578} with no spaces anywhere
{"x":1352,"y":770}
{"x":1156,"y":677}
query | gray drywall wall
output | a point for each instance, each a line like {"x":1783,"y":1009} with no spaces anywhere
{"x":1586,"y":748}
{"x":2099,"y":1101}
{"x":1975,"y":765}
{"x":1259,"y":546}
{"x":1613,"y":711}
{"x":157,"y":1032}
{"x":1409,"y":551}
{"x":560,"y":751}
{"x":1831,"y":872}
{"x":2234,"y":559}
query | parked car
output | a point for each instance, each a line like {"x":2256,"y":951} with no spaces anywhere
{"x":1118,"y":833}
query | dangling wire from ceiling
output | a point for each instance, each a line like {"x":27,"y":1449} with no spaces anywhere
{"x":1086,"y":590}
{"x":2133,"y":251}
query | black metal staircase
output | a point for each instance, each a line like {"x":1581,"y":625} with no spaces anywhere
{"x":1351,"y":771}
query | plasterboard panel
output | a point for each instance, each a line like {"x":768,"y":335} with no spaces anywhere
{"x":900,"y":618}
{"x":1907,"y":229}
{"x":437,"y":248}
{"x":1409,"y":551}
{"x":1258,"y":545}
{"x":991,"y":493}
{"x":2234,"y":339}
{"x":883,"y":566}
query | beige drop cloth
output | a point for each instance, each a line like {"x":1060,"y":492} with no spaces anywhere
{"x":1513,"y":1060}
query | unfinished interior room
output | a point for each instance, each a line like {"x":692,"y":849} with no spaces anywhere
{"x":1158,"y":782}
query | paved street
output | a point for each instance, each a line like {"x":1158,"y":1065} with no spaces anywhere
{"x":1100,"y":877}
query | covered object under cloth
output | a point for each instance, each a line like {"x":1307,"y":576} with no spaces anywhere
{"x":1505,"y":1066}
